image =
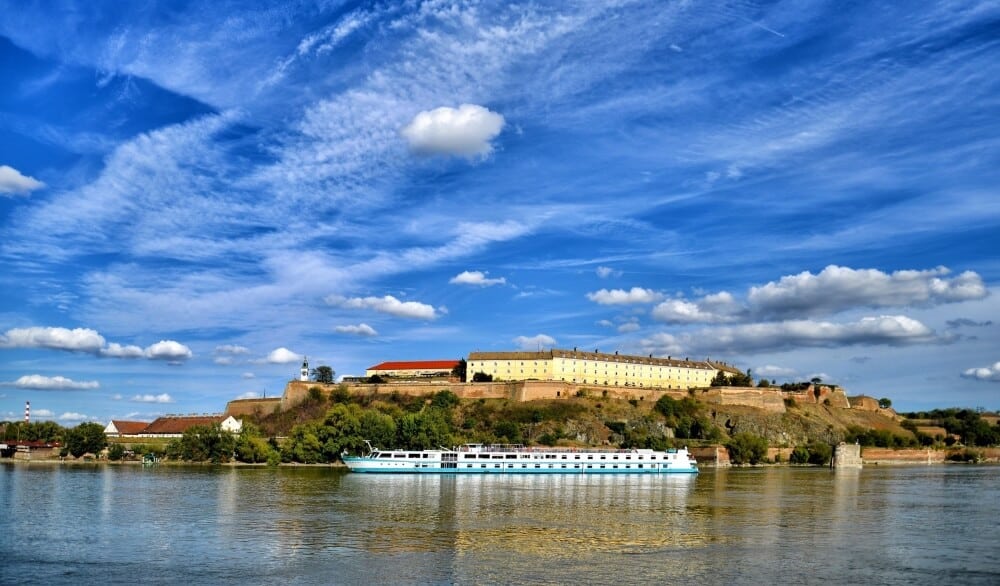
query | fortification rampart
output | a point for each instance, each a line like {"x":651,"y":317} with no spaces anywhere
{"x":252,"y":407}
{"x":820,"y":394}
{"x":889,"y":456}
{"x":766,"y":399}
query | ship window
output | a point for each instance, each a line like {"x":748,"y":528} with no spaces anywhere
{"x":484,"y":456}
{"x":576,"y":457}
{"x":538,"y":465}
{"x":564,"y":457}
{"x":482,"y":465}
{"x":496,"y":465}
{"x":602,"y":465}
{"x":414,"y":455}
{"x":603,"y":457}
{"x":385,"y":455}
{"x":640,"y":465}
{"x":590,"y":457}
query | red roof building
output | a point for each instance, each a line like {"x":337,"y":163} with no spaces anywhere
{"x":119,"y":428}
{"x":175,"y":426}
{"x":413,"y":368}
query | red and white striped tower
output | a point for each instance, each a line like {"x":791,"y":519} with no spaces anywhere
{"x":27,"y":412}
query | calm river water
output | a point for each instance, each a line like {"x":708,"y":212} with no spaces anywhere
{"x":198,"y":525}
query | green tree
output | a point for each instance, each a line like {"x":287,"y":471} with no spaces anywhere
{"x":444,"y":399}
{"x":884,"y":403}
{"x":747,"y":448}
{"x":251,"y":447}
{"x":459,"y":370}
{"x":203,"y":443}
{"x":324,"y":374}
{"x":85,"y":438}
{"x":764,"y":383}
{"x":116,"y":452}
{"x":720,"y":380}
{"x":303,"y":445}
{"x":482,"y":377}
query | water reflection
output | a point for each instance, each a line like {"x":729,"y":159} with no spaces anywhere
{"x":122,"y":524}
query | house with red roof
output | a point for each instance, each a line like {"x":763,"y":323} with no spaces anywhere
{"x":413,"y":369}
{"x":176,"y":425}
{"x":119,"y":428}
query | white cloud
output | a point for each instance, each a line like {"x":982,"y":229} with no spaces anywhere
{"x":356,"y":330}
{"x":534,"y":342}
{"x":622,"y":297}
{"x":75,"y":340}
{"x":605,"y":272}
{"x":772,"y":371}
{"x":628,"y":327}
{"x":988,"y":373}
{"x":465,"y":131}
{"x":833,"y":290}
{"x":117,"y":397}
{"x":49,"y":383}
{"x":149,"y":398}
{"x":42,"y":413}
{"x":12,"y":182}
{"x":168,"y":350}
{"x":837,"y":289}
{"x":116,"y":350}
{"x":606,"y":323}
{"x":71,"y":416}
{"x":249,"y":395}
{"x":476,"y":278}
{"x":283,"y":356}
{"x":224,"y":360}
{"x":787,"y":335}
{"x":248,"y":375}
{"x":231,"y":349}
{"x":387,"y":304}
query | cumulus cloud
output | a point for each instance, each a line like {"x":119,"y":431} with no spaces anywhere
{"x":895,"y":330}
{"x":832,"y":290}
{"x":986,"y":373}
{"x":361,"y":329}
{"x":465,"y":131}
{"x":116,"y":350}
{"x":477,"y":278}
{"x":168,"y":350}
{"x":75,"y":340}
{"x":283,"y":356}
{"x":51,"y":383}
{"x":148,"y":398}
{"x":772,"y":371}
{"x":605,"y":323}
{"x":42,"y":413}
{"x":836,"y":289}
{"x":388,"y":304}
{"x":89,"y":341}
{"x":249,"y":395}
{"x":605,"y":272}
{"x":12,"y":182}
{"x":534,"y":342}
{"x":622,"y":297}
{"x":628,"y":327}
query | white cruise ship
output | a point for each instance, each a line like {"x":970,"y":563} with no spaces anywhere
{"x":518,"y":459}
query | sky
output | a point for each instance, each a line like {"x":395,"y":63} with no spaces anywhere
{"x":196,"y":195}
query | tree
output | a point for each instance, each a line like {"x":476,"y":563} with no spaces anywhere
{"x":116,"y":452}
{"x":460,"y":370}
{"x":324,"y":374}
{"x":816,"y":380}
{"x":764,"y":383}
{"x":482,"y":377}
{"x":85,"y":438}
{"x":747,"y":448}
{"x":203,"y":443}
{"x":720,"y":380}
{"x":884,"y":403}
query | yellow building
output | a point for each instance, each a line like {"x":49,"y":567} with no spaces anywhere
{"x":593,"y":368}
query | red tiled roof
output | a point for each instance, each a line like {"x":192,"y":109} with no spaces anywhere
{"x":417,"y":365}
{"x":130,"y":427}
{"x":181,"y":424}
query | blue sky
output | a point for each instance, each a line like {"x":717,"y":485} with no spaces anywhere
{"x":194,"y":195}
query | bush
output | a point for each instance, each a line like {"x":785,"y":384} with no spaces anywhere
{"x":444,"y":400}
{"x":116,"y":452}
{"x":746,"y":448}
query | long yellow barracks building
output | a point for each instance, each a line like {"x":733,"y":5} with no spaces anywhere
{"x":595,"y":368}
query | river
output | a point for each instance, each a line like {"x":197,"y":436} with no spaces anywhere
{"x":90,"y":524}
